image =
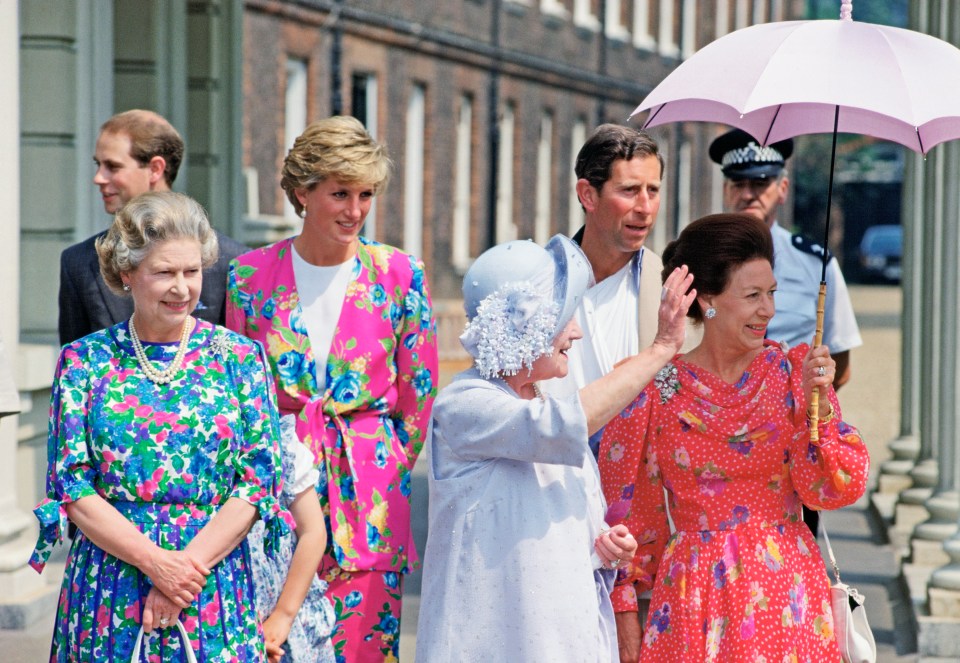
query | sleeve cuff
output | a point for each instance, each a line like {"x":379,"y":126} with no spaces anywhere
{"x":53,"y":521}
{"x":624,"y":598}
{"x":277,"y":520}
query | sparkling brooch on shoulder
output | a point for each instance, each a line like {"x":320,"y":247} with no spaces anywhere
{"x":219,"y":344}
{"x":667,"y":382}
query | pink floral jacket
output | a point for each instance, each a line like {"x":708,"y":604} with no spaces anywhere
{"x":367,"y":427}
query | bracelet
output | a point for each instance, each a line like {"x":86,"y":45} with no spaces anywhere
{"x":823,"y":420}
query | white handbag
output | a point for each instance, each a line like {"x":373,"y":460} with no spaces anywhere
{"x":187,"y":649}
{"x":850,"y":625}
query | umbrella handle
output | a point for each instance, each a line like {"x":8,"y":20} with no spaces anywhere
{"x":814,"y":411}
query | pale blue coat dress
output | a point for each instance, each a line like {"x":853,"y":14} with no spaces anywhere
{"x":509,"y":572}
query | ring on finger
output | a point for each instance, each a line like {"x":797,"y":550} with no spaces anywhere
{"x":821,"y":370}
{"x":164,"y":621}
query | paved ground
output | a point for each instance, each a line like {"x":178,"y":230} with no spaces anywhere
{"x":870,"y":401}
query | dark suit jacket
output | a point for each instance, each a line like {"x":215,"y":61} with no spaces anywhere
{"x":88,"y":305}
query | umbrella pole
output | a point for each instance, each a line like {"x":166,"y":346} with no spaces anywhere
{"x":814,"y":412}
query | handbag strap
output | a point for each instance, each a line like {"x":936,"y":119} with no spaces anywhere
{"x":833,"y":559}
{"x":188,"y":650}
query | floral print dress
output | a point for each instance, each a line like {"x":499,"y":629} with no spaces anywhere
{"x":741,"y":578}
{"x":365,"y":428}
{"x":166,"y":456}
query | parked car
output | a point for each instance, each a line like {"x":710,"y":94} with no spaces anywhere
{"x":881,"y":250}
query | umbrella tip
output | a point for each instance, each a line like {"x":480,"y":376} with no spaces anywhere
{"x":846,"y":10}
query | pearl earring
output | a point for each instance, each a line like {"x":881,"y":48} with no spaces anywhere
{"x":126,"y":287}
{"x":710,"y":313}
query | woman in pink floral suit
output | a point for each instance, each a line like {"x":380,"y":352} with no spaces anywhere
{"x":348,"y":329}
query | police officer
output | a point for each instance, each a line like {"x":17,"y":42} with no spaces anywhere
{"x":755,"y":182}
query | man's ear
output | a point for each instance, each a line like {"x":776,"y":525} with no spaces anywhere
{"x":784,"y":187}
{"x":587,"y":194}
{"x":157,"y":166}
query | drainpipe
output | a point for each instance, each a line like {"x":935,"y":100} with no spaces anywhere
{"x":602,"y":61}
{"x":677,"y":141}
{"x":336,"y":52}
{"x":493,"y":123}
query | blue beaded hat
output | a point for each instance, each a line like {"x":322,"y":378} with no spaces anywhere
{"x":518,"y":297}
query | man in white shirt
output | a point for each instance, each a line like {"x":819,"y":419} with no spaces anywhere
{"x":619,"y":172}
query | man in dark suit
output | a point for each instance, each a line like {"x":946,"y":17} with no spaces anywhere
{"x":137,"y":151}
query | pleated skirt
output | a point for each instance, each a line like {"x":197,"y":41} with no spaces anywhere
{"x":101,"y":599}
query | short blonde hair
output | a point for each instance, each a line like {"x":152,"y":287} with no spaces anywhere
{"x":340,"y":148}
{"x":148,"y":220}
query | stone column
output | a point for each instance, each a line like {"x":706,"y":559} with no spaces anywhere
{"x":19,"y":584}
{"x":911,"y":509}
{"x":894,"y":474}
{"x":944,"y":503}
{"x":943,"y":594}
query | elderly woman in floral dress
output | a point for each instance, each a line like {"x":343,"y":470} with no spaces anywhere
{"x":348,"y":328}
{"x":163,"y":451}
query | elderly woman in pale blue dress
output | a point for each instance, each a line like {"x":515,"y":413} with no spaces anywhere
{"x":519,"y":562}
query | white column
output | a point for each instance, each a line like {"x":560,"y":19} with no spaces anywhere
{"x":894,"y":474}
{"x":17,"y":580}
{"x":943,"y":592}
{"x":944,"y":503}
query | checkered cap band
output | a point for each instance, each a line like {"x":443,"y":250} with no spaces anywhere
{"x":752,"y":153}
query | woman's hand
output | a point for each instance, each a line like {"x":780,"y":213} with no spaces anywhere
{"x":177,"y":574}
{"x":276,"y":630}
{"x":159,"y":611}
{"x":818,"y":372}
{"x":675,"y":299}
{"x":615,"y":546}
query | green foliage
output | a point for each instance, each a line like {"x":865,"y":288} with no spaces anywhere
{"x":884,"y":12}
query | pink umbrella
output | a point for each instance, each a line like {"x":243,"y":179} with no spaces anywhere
{"x":779,"y":80}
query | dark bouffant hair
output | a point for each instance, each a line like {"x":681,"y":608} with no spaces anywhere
{"x":608,"y":143}
{"x":712,"y":247}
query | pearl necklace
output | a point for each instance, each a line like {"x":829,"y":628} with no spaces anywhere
{"x":167,"y":374}
{"x":536,"y":390}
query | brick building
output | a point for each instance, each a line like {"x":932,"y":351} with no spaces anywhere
{"x":483,"y":104}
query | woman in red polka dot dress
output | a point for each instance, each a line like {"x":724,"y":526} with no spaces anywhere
{"x":722,"y":433}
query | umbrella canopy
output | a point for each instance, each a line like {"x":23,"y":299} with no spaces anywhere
{"x":785,"y":79}
{"x":779,"y":80}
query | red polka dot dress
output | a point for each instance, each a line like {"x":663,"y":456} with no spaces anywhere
{"x":741,"y":578}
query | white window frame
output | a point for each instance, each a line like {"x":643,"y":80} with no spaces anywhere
{"x":615,"y":29}
{"x":689,"y":38}
{"x":461,"y":185}
{"x":578,"y":136}
{"x":583,"y":16}
{"x":413,"y":180}
{"x":642,"y":38}
{"x":370,"y":122}
{"x":668,"y":47}
{"x":294,"y":114}
{"x":506,"y":229}
{"x":544,"y":192}
{"x":554,"y":8}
